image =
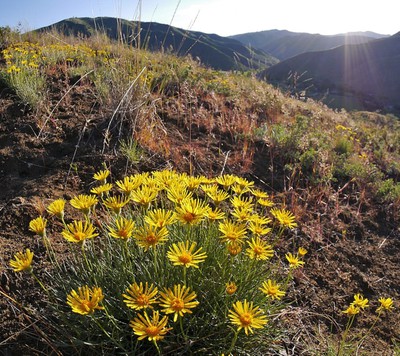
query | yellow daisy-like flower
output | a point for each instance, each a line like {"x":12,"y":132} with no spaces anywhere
{"x":217,"y":195}
{"x":193,"y":183}
{"x":302,"y":251}
{"x":38,"y":226}
{"x":360,"y":301}
{"x":259,"y":249}
{"x":386,"y":304}
{"x":123,"y":228}
{"x":144,"y":195}
{"x":57,"y":208}
{"x":191,"y":211}
{"x":179,"y":301}
{"x":232,"y":231}
{"x":116,"y":203}
{"x":86,"y":300}
{"x":77,"y":231}
{"x":258,"y":229}
{"x":101,"y":176}
{"x":160,"y":217}
{"x":271,"y":289}
{"x":241,"y":214}
{"x":351,"y":310}
{"x":178,"y":192}
{"x":84,"y":202}
{"x":226,"y":180}
{"x":285,"y":218}
{"x":215,"y":214}
{"x":22,"y":261}
{"x":128,"y":184}
{"x":265,"y":202}
{"x":230,"y":288}
{"x":149,"y":236}
{"x":246,"y":316}
{"x":259,"y":194}
{"x":154,"y":329}
{"x":140,"y":296}
{"x":294,"y":261}
{"x":181,"y":254}
{"x":104,"y":188}
{"x":242,"y":203}
{"x":234,"y":248}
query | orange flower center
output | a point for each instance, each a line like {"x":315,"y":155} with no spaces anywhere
{"x":142,"y":300}
{"x":79,"y":236}
{"x":151,"y":239}
{"x":188,"y":217}
{"x":177,"y":304}
{"x":258,"y":250}
{"x":152,"y":330}
{"x":185,"y":258}
{"x":123,"y":233}
{"x":245,"y":319}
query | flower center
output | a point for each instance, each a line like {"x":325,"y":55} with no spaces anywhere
{"x":185,"y":258}
{"x":258,"y":250}
{"x":152,"y":330}
{"x":123,"y":233}
{"x":177,"y":304}
{"x":79,"y":236}
{"x":143,"y":300}
{"x":245,"y":319}
{"x":188,"y":217}
{"x":151,"y":239}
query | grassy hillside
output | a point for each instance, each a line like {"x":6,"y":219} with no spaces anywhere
{"x":284,"y":44}
{"x":215,"y":51}
{"x":275,"y":193}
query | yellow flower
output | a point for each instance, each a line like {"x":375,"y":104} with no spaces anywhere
{"x":128,"y":184}
{"x":241,"y":214}
{"x":191,"y":211}
{"x":182,"y":255}
{"x":234,"y":248}
{"x":22,"y":261}
{"x":102,"y":176}
{"x":226,"y":180}
{"x":351,"y":310}
{"x":215,"y":214}
{"x":260,"y":194}
{"x":154,"y":329}
{"x":265,"y":202}
{"x":38,"y":226}
{"x":104,"y":188}
{"x":217,"y":195}
{"x":232,"y":231}
{"x":246,"y":316}
{"x":144,"y":195}
{"x":258,"y":229}
{"x":179,"y":301}
{"x":259,"y":249}
{"x":123,"y":228}
{"x":239,"y":202}
{"x":271,"y":289}
{"x":149,"y":236}
{"x":285,"y":218}
{"x":294,"y":261}
{"x":360,"y":301}
{"x":84,"y":202}
{"x":140,"y":297}
{"x":116,"y":203}
{"x":178,"y":192}
{"x":86,"y":300}
{"x":302,"y":251}
{"x":77,"y":232}
{"x":160,"y":217}
{"x":57,"y":208}
{"x":231,"y":288}
{"x":386,"y":304}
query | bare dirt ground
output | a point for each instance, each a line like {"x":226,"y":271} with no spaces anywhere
{"x":364,"y":258}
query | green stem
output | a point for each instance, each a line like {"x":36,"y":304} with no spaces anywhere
{"x":344,"y":337}
{"x":157,"y":347}
{"x":181,"y":325}
{"x":369,"y":330}
{"x":184,"y":275}
{"x":40,"y":283}
{"x":233,"y":343}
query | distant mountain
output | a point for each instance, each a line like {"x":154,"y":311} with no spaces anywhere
{"x":215,"y":51}
{"x":284,"y":44}
{"x":365,"y":73}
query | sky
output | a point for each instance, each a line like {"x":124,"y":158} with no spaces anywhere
{"x":223,"y":17}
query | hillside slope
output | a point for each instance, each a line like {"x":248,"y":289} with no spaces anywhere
{"x":284,"y":44}
{"x":368,"y":71}
{"x":212,"y":50}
